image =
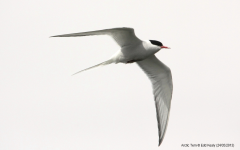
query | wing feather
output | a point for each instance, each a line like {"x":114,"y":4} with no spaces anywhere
{"x":161,"y":78}
{"x":123,"y":36}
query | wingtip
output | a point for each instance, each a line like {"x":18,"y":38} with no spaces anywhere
{"x":75,"y":73}
{"x":54,"y":36}
{"x":160,"y":142}
{"x":78,"y":72}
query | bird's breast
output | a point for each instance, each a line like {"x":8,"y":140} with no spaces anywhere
{"x":135,"y":52}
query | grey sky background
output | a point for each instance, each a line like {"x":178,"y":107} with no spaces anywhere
{"x":43,"y":107}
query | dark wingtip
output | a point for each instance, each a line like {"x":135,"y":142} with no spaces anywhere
{"x":160,"y":142}
{"x":55,"y":36}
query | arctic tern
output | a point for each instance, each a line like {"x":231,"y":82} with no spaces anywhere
{"x":132,"y":49}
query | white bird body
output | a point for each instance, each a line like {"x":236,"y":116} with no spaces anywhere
{"x":136,"y":52}
{"x":133,"y":50}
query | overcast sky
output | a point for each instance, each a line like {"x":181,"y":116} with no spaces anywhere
{"x":43,"y":107}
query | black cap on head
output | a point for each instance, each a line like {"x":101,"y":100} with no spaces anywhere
{"x":154,"y":42}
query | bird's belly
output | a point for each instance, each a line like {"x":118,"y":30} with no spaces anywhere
{"x":133,"y":56}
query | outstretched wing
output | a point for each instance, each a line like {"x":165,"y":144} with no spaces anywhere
{"x":123,"y":36}
{"x":161,"y":78}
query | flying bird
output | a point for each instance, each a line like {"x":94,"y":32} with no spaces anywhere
{"x":134,"y":50}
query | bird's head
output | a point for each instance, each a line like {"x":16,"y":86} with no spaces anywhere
{"x":157,"y":43}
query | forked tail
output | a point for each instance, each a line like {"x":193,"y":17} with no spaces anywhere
{"x":98,"y":65}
